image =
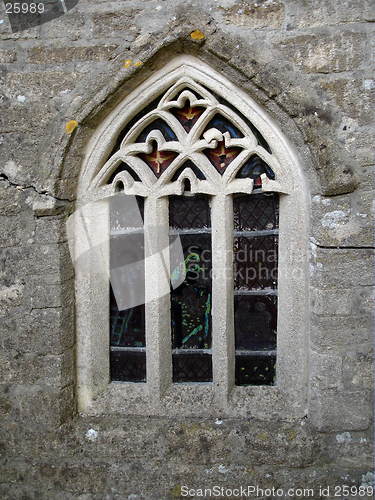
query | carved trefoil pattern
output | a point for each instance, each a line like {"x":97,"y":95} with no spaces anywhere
{"x":190,"y":134}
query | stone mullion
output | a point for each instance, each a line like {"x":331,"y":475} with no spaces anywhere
{"x":222,"y":298}
{"x":158,"y":328}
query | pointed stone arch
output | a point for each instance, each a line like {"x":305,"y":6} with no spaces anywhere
{"x":117,"y":155}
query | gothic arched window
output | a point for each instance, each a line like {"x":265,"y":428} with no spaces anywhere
{"x":180,"y":199}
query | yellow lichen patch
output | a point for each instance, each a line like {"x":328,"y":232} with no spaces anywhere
{"x":176,"y":491}
{"x":291,"y":433}
{"x":138,"y":63}
{"x":196,"y":35}
{"x":127,"y":63}
{"x":262,"y":437}
{"x":70,"y":126}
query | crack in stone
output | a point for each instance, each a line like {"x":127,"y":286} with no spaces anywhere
{"x":42,"y":193}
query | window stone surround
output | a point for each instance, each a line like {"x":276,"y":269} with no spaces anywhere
{"x":96,"y":395}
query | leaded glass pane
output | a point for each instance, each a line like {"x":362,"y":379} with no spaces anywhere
{"x":255,"y":370}
{"x":188,"y":115}
{"x":157,"y":124}
{"x":255,"y":319}
{"x":126,"y":212}
{"x":127,"y":289}
{"x":255,"y":263}
{"x":253,"y":169}
{"x":224,"y":125}
{"x":192,"y":367}
{"x":128,"y":366}
{"x":255,"y":283}
{"x":157,"y":160}
{"x":127,"y":326}
{"x":256,"y":212}
{"x":189,"y":212}
{"x":191,"y":301}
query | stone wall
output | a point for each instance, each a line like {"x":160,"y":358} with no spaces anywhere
{"x":310,"y":65}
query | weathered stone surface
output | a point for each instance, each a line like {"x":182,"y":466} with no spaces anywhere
{"x":332,"y":302}
{"x":8,"y":55}
{"x":334,"y":411}
{"x":342,"y":268}
{"x":354,"y":97}
{"x":343,"y":220}
{"x":118,"y":24}
{"x":71,"y":54}
{"x":325,"y":53}
{"x":326,"y":371}
{"x":43,"y":331}
{"x":310,"y":65}
{"x":41,"y":85}
{"x":358,"y":372}
{"x":72,"y":26}
{"x":325,"y":13}
{"x":335,"y":332}
{"x":255,"y":14}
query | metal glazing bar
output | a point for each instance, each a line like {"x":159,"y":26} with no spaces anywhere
{"x":255,"y":234}
{"x":173,"y":232}
{"x":191,"y":351}
{"x":256,"y":353}
{"x":255,"y":292}
{"x":128,"y":349}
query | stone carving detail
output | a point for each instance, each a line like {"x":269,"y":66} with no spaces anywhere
{"x":194,"y":127}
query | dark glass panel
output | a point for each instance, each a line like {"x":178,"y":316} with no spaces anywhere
{"x":194,"y":92}
{"x":189,"y":212}
{"x":127,"y":271}
{"x":221,"y":156}
{"x":255,"y":263}
{"x":123,"y":167}
{"x":158,"y":161}
{"x":191,"y":301}
{"x":128,"y":366}
{"x":256,"y":212}
{"x":261,"y":140}
{"x":157,"y":124}
{"x":255,"y":370}
{"x":127,"y":327}
{"x":192,"y":367}
{"x":126,"y":212}
{"x":132,"y":122}
{"x":255,"y":322}
{"x":224,"y":125}
{"x":253,"y":169}
{"x":194,"y":168}
{"x":188,"y":115}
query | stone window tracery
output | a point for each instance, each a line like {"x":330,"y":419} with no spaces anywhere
{"x":193,"y":144}
{"x":189,"y":138}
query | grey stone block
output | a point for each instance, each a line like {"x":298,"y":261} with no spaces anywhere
{"x":333,"y":411}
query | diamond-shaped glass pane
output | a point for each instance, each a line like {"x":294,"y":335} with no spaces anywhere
{"x":128,"y":366}
{"x":255,"y":322}
{"x":256,"y":212}
{"x":192,"y":367}
{"x":255,"y":263}
{"x":255,"y":370}
{"x":189,"y":212}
